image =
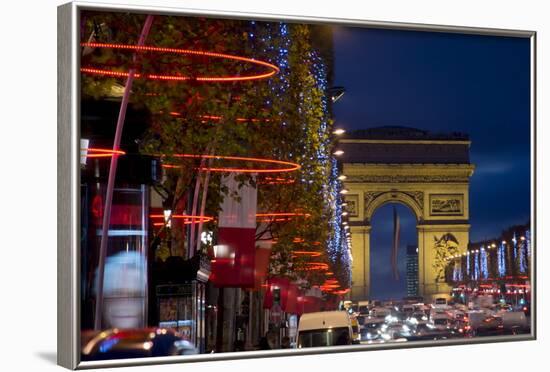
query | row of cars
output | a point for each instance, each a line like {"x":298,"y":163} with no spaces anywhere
{"x":398,"y":322}
{"x":370,"y":323}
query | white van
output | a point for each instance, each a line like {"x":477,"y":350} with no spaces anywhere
{"x":440,"y":303}
{"x":325,"y":328}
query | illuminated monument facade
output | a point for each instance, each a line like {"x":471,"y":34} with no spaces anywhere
{"x":430,"y":174}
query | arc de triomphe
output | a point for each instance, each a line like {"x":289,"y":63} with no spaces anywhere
{"x":429,"y":173}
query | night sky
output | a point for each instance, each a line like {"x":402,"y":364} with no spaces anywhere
{"x":442,"y":83}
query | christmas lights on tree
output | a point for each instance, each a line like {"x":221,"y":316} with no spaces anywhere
{"x":501,"y":259}
{"x":484,"y":263}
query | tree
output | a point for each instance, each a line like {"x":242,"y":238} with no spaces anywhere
{"x":285,"y":117}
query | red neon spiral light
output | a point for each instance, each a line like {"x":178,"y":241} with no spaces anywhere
{"x":188,"y":219}
{"x":272,"y":69}
{"x":280,"y":217}
{"x":343,"y":291}
{"x":311,"y":266}
{"x":285,"y":214}
{"x":306,"y":253}
{"x":276,"y":181}
{"x":330,"y":286}
{"x":218,"y":118}
{"x":288,"y":166}
{"x":101,"y":153}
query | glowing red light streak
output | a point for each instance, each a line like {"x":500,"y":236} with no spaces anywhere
{"x":101,"y":153}
{"x":188,"y":219}
{"x":306,"y":253}
{"x":288,"y":166}
{"x":311,"y":266}
{"x":284,"y":214}
{"x":276,"y":181}
{"x":329,"y":286}
{"x":272,"y":69}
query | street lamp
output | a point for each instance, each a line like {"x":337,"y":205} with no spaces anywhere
{"x":338,"y":152}
{"x":339,"y":131}
{"x":342,"y":177}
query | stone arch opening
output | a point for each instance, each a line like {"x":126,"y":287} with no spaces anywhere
{"x":384,"y":282}
{"x":382,"y":198}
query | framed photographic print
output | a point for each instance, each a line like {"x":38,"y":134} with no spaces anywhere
{"x":252,"y":185}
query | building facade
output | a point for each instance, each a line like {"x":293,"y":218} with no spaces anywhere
{"x":412,"y":270}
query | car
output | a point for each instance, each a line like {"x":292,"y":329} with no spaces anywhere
{"x":324,"y":328}
{"x":394,"y":331}
{"x":461,"y":307}
{"x":440,"y":303}
{"x":490,"y":326}
{"x":407,"y":309}
{"x":134,"y":343}
{"x":457,"y":314}
{"x":363,"y":307}
{"x":462,"y":328}
{"x":427,"y":333}
{"x":418,"y":317}
{"x":440,"y":322}
{"x":380,"y":312}
{"x":476,"y":318}
{"x":370,"y":330}
{"x":440,"y":312}
{"x":420,"y":307}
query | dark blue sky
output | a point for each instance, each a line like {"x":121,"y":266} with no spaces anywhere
{"x":443,"y":83}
